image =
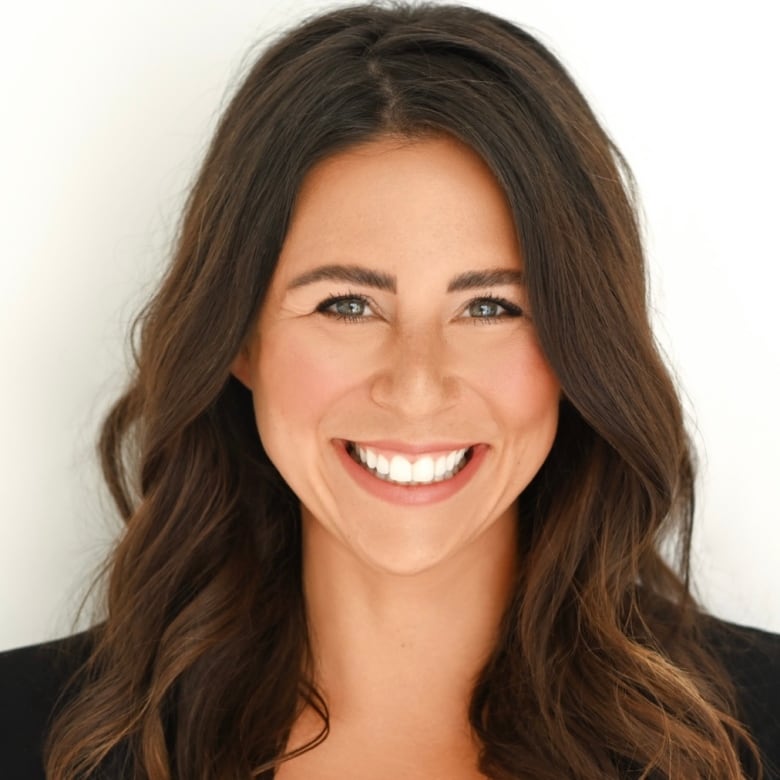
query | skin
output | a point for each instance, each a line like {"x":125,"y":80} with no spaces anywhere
{"x":404,"y":601}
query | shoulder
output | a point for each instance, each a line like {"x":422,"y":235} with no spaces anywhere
{"x":751,"y":656}
{"x":34,"y":680}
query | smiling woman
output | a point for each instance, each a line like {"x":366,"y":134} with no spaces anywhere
{"x":382,"y":394}
{"x":400,"y":451}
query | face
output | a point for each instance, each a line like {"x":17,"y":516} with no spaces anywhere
{"x":398,"y":383}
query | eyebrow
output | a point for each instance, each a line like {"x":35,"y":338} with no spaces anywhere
{"x":345,"y":273}
{"x":470,"y":280}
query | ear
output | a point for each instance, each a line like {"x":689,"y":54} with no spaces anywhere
{"x":241,"y":367}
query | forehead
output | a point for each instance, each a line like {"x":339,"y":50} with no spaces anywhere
{"x":395,"y":201}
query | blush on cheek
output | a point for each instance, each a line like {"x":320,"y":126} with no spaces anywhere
{"x":520,"y":379}
{"x":299,"y":379}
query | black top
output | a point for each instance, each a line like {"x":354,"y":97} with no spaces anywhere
{"x":33,"y":678}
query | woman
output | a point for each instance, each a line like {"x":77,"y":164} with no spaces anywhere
{"x":366,"y":536}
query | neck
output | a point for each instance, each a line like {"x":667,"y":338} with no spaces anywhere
{"x":405,"y":646}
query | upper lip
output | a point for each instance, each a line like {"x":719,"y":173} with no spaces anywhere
{"x":412,"y":448}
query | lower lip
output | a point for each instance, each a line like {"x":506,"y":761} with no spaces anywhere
{"x":413,"y":495}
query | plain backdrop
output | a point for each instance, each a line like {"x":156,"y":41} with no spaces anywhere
{"x":106,"y":110}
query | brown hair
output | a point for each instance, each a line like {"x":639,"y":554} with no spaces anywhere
{"x":203,"y":664}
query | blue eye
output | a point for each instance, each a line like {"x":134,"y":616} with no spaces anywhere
{"x":489,"y":309}
{"x":346,"y":307}
{"x":484,"y":309}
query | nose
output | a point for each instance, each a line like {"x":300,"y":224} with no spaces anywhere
{"x":417,"y":379}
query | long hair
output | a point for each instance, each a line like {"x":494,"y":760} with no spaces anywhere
{"x":203,"y":663}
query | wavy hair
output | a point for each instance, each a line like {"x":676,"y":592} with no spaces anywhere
{"x":203,"y":663}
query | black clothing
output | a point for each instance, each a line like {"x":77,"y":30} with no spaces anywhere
{"x":33,"y":679}
{"x":752,"y":658}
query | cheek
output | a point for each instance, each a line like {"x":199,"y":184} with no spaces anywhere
{"x":519,"y":383}
{"x":298,"y":380}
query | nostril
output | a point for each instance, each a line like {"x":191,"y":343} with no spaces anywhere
{"x":414,"y":391}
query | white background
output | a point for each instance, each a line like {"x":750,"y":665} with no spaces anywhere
{"x":106,"y":110}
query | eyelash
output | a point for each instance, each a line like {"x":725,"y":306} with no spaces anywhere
{"x":323,"y":307}
{"x":511,"y":309}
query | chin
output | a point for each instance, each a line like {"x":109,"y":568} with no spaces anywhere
{"x":404,"y":563}
{"x":426,"y":539}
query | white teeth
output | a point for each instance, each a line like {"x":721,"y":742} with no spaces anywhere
{"x":422,"y":471}
{"x":369,"y":458}
{"x":425,"y":470}
{"x":400,"y":469}
{"x":382,"y":465}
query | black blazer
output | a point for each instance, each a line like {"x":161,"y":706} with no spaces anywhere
{"x":33,"y":678}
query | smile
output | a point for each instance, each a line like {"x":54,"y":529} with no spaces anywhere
{"x":423,"y":470}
